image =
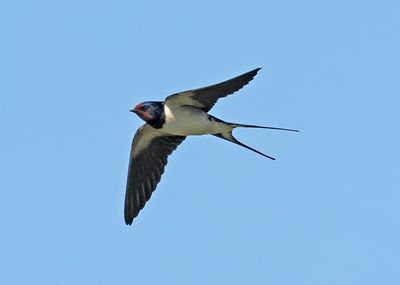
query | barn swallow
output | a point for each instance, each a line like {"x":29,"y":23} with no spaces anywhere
{"x":167,"y":125}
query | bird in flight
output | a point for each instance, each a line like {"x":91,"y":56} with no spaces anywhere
{"x":167,"y":125}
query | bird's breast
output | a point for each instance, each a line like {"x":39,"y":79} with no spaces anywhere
{"x":187,"y":120}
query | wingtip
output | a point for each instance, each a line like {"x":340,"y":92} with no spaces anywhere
{"x":128,"y":218}
{"x":252,"y":73}
{"x":128,"y":222}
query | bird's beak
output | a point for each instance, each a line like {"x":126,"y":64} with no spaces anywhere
{"x":137,"y":110}
{"x":134,"y":110}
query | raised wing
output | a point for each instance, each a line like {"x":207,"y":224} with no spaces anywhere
{"x":149,"y":153}
{"x":206,"y":97}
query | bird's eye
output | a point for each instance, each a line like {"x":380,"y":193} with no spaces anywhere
{"x":144,"y":108}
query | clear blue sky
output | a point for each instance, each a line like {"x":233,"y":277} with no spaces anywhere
{"x":325,"y":212}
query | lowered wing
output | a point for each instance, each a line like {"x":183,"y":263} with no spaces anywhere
{"x":149,"y":153}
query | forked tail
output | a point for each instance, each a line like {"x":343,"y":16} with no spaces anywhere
{"x":229,"y":137}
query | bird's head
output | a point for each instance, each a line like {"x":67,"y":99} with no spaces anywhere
{"x":149,"y":111}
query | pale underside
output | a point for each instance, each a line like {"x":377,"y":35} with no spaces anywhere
{"x":187,"y":120}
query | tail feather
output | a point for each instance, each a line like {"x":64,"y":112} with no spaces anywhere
{"x":235,"y":125}
{"x":227,"y":135}
{"x":231,"y":138}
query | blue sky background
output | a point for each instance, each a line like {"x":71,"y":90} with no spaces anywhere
{"x":326,"y":212}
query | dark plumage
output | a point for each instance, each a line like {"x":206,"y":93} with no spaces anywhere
{"x":145,"y":170}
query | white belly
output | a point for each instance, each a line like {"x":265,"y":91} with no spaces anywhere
{"x":186,"y":120}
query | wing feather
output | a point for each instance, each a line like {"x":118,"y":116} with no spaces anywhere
{"x":149,"y":153}
{"x":206,"y":97}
